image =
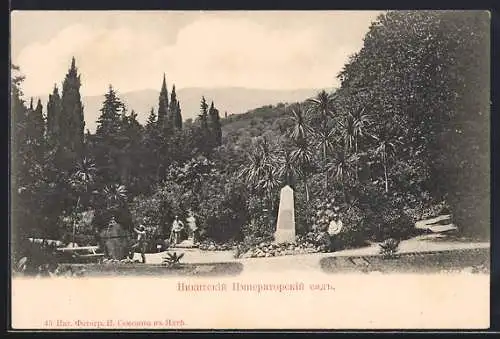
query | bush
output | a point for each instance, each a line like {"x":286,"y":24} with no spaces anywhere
{"x":210,"y":245}
{"x":222,"y":210}
{"x":389,"y":247}
{"x":38,"y":259}
{"x":385,"y":215}
{"x":355,"y":232}
{"x":251,"y":242}
{"x":172,"y":260}
{"x":147,"y":208}
{"x":258,"y":227}
{"x":251,"y":248}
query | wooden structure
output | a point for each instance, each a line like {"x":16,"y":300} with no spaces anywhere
{"x":84,"y":253}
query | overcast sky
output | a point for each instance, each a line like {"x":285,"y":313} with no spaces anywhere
{"x":132,"y":50}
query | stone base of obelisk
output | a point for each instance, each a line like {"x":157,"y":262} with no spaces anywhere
{"x":284,"y":236}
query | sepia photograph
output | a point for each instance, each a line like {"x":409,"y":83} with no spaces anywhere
{"x":250,"y":170}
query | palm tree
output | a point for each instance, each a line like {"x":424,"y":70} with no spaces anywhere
{"x":326,"y":145}
{"x":116,"y":195}
{"x":322,"y":105}
{"x":269,"y":184}
{"x":361,"y":121}
{"x":353,"y":128}
{"x":260,"y":162}
{"x":287,"y":170}
{"x":260,"y":172}
{"x":85,"y":172}
{"x":341,"y":168}
{"x":303,"y":156}
{"x":386,"y":148}
{"x":301,"y":128}
{"x":81,"y":180}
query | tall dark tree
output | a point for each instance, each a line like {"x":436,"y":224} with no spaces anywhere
{"x":39,"y":123}
{"x":18,"y":128}
{"x":203,"y":116}
{"x":31,"y":197}
{"x":108,"y":145}
{"x":35,"y":130}
{"x":19,"y":213}
{"x":72,"y":122}
{"x":163,"y":108}
{"x":174,"y":110}
{"x":203,"y":138}
{"x":54,"y":111}
{"x":179,"y":115}
{"x":131,"y":152}
{"x":108,"y":123}
{"x":151,"y":146}
{"x":214,"y":125}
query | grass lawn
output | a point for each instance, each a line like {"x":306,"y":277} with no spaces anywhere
{"x":472,"y":260}
{"x":138,"y":269}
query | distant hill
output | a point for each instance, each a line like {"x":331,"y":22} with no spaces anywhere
{"x":233,"y":100}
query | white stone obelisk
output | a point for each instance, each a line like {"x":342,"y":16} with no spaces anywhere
{"x":285,"y":227}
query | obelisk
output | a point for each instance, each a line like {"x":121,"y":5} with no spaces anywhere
{"x":285,"y":227}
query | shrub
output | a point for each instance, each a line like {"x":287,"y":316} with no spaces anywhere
{"x":267,"y":248}
{"x":385,"y":214}
{"x":38,"y":259}
{"x":222,"y":210}
{"x":210,"y":245}
{"x":389,"y":247}
{"x":149,"y":208}
{"x":172,"y":259}
{"x":252,"y":241}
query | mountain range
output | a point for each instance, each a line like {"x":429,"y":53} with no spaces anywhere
{"x":233,"y":100}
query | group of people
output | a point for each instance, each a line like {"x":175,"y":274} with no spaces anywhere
{"x":178,"y":229}
{"x":334,"y":228}
{"x":175,"y":234}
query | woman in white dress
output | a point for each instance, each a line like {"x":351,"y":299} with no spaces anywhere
{"x":191,"y":220}
{"x":334,"y":228}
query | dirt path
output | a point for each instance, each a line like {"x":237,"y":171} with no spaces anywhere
{"x":430,"y":243}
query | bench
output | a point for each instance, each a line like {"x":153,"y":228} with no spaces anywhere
{"x":91,"y":252}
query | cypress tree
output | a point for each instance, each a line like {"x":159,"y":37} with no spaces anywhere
{"x":163,"y":116}
{"x":203,"y":138}
{"x":36,"y":131}
{"x":179,"y":115}
{"x":34,"y":126}
{"x":19,"y":216}
{"x":152,"y":144}
{"x":53,"y":116}
{"x":71,"y":122}
{"x":214,"y":126}
{"x":18,"y":114}
{"x":39,"y":123}
{"x":174,"y":110}
{"x":203,"y":116}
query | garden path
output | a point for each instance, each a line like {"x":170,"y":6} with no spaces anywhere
{"x":426,"y":243}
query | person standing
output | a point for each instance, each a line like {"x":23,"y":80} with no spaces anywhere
{"x":334,"y":228}
{"x":141,"y":242}
{"x":177,"y":227}
{"x":191,"y":220}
